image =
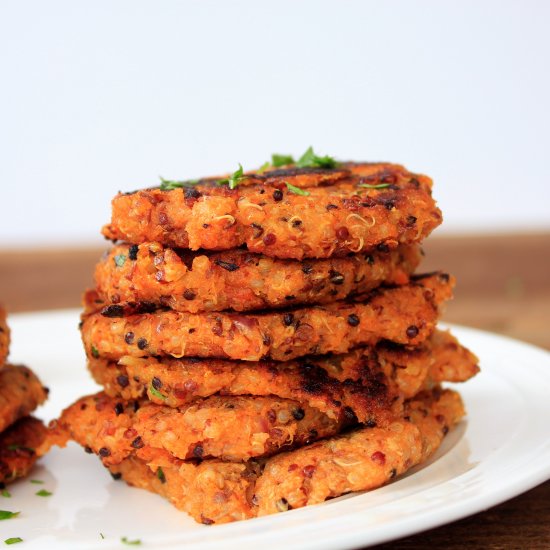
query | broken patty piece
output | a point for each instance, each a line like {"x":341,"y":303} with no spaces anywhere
{"x":20,"y":393}
{"x":20,"y":447}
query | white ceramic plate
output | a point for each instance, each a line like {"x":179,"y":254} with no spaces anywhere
{"x":501,"y":450}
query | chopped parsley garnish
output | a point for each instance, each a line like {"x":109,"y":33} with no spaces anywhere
{"x":43,"y":493}
{"x":310,"y":160}
{"x":126,"y":540}
{"x":296,"y":190}
{"x":234,"y":179}
{"x":120,"y":260}
{"x":37,"y":481}
{"x":6,"y":493}
{"x":95,"y":352}
{"x":264,"y":167}
{"x":102,"y":535}
{"x":6,"y":514}
{"x":377,"y":186}
{"x":155,"y":393}
{"x":169,"y":185}
{"x":13,"y":540}
{"x":15,"y":447}
{"x":160,"y":475}
{"x":281,"y":160}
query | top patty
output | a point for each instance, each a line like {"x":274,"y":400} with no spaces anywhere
{"x":350,"y":209}
{"x":240,"y":280}
{"x":4,"y":337}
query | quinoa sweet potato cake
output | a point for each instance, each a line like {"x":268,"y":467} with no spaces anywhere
{"x":20,"y":393}
{"x":364,"y":379}
{"x":4,"y":337}
{"x":20,"y":447}
{"x":230,"y":428}
{"x":213,"y":491}
{"x":406,"y":315}
{"x":237,"y":279}
{"x":287,"y":213}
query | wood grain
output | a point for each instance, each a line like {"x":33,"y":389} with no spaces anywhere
{"x":503,"y":287}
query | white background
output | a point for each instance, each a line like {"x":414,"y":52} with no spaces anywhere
{"x":106,"y":95}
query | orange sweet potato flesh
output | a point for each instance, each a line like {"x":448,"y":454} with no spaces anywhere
{"x":350,"y":209}
{"x":20,"y":447}
{"x":214,"y":491}
{"x":239,"y":280}
{"x":406,"y":315}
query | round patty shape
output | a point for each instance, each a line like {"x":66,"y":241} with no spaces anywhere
{"x":242,"y":281}
{"x":4,"y":337}
{"x":323,"y":382}
{"x":334,"y":212}
{"x":405,"y":315}
{"x":219,"y":492}
{"x":230,"y":428}
{"x":20,"y":393}
{"x":19,"y":448}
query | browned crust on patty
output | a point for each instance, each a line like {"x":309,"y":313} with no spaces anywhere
{"x":325,"y":382}
{"x":20,"y":448}
{"x":405,"y":315}
{"x":338,"y":216}
{"x":242,"y":281}
{"x":20,"y":393}
{"x":219,"y":492}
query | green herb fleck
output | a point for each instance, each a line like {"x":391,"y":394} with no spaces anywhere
{"x":13,"y":540}
{"x":160,"y":475}
{"x":6,"y":493}
{"x":95,"y":352}
{"x":281,"y":160}
{"x":102,"y":535}
{"x":37,"y":481}
{"x":43,"y":493}
{"x":296,"y":190}
{"x":378,"y":186}
{"x":234,"y":179}
{"x":16,"y":447}
{"x":264,"y":167}
{"x":310,"y":160}
{"x":135,"y":542}
{"x":120,"y":259}
{"x":5,"y":514}
{"x":169,"y":185}
{"x":155,"y":393}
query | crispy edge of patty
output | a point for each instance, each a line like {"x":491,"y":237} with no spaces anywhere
{"x":20,"y":448}
{"x":404,"y":314}
{"x":20,"y":393}
{"x":242,"y":281}
{"x":230,"y":428}
{"x":213,"y":491}
{"x":360,"y":461}
{"x":4,"y":337}
{"x":321,"y":382}
{"x":338,"y":215}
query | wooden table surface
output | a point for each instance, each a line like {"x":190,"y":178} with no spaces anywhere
{"x":503,"y":287}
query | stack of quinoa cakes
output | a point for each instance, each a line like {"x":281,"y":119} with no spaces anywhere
{"x":263,"y":340}
{"x":23,"y":438}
